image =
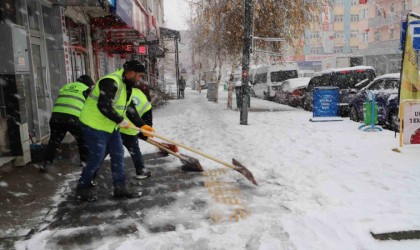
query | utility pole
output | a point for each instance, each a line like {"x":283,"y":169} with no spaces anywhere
{"x":245,"y":61}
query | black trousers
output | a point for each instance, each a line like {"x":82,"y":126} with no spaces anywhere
{"x":58,"y":131}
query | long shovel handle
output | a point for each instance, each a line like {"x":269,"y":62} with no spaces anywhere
{"x":186,"y":147}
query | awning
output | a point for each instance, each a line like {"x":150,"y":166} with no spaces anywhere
{"x":157,"y":51}
{"x":168,"y":33}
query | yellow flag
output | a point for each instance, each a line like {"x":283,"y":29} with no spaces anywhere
{"x":410,"y":79}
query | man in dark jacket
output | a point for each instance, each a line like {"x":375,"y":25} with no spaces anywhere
{"x":101,"y":118}
{"x":65,"y":118}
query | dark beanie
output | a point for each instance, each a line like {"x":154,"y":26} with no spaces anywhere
{"x":86,"y":80}
{"x":134,"y":65}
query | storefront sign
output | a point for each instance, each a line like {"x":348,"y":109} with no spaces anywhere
{"x":411,"y":124}
{"x":142,"y":50}
{"x":125,"y":11}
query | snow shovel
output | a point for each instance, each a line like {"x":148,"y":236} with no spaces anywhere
{"x":236,"y":165}
{"x":191,"y":164}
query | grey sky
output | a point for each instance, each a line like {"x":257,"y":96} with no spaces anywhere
{"x":177,"y":13}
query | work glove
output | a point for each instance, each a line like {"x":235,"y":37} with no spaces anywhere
{"x":124,"y":124}
{"x":147,"y":128}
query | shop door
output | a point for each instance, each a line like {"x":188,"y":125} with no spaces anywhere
{"x":41,"y":91}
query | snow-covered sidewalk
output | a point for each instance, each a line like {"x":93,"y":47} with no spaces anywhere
{"x":323,"y":185}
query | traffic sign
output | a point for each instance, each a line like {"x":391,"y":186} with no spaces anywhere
{"x":415,"y":26}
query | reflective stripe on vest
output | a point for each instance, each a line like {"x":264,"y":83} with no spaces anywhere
{"x":92,"y":116}
{"x":142,"y":106}
{"x":70,"y":99}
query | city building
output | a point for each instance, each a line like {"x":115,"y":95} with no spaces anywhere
{"x":353,"y":32}
{"x":48,"y":43}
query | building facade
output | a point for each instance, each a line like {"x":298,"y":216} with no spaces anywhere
{"x":48,"y":43}
{"x":368,"y":30}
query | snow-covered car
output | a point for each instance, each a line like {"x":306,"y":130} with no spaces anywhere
{"x":385,"y":89}
{"x":291,"y":91}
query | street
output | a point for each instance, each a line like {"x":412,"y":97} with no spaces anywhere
{"x":322,"y":185}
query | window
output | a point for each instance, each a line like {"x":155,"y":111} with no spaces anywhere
{"x":354,"y":49}
{"x":261,"y":78}
{"x":365,"y":37}
{"x":406,"y":5}
{"x":392,"y":33}
{"x":392,"y":8}
{"x":315,"y":35}
{"x":354,"y":18}
{"x":338,"y":18}
{"x":378,"y":36}
{"x":338,"y":2}
{"x":353,"y":34}
{"x":364,"y":14}
{"x":338,"y":34}
{"x":33,"y":15}
{"x":378,"y":11}
{"x":379,"y":84}
{"x":48,"y":18}
{"x":391,"y":84}
{"x":354,"y":2}
{"x":338,"y":50}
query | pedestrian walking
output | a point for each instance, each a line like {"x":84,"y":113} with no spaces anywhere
{"x":101,"y":118}
{"x":181,"y":84}
{"x":65,"y":118}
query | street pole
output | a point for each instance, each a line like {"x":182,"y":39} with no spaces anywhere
{"x":245,"y":61}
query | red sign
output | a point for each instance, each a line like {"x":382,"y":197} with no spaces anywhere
{"x":143,"y":50}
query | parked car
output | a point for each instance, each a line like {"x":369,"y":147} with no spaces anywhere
{"x":291,"y":91}
{"x":348,"y":80}
{"x":267,"y":78}
{"x":385,"y":90}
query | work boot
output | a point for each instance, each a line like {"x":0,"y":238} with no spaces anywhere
{"x":86,"y":194}
{"x":124,"y":193}
{"x":143,"y":174}
{"x":46,"y":167}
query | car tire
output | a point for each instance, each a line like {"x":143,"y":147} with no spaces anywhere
{"x":353,"y":114}
{"x":393,"y":121}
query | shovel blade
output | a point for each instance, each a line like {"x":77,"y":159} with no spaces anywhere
{"x":190,"y":164}
{"x":171,"y":147}
{"x":244,"y":171}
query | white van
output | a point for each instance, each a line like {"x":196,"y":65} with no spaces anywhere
{"x":268,"y":78}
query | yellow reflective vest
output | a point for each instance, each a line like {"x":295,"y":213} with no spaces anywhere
{"x":92,"y":116}
{"x":142,"y":106}
{"x":70,"y":99}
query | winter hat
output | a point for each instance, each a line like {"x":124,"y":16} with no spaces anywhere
{"x":86,"y":80}
{"x":134,"y":65}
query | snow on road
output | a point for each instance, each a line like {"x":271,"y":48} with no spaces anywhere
{"x":323,"y":185}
